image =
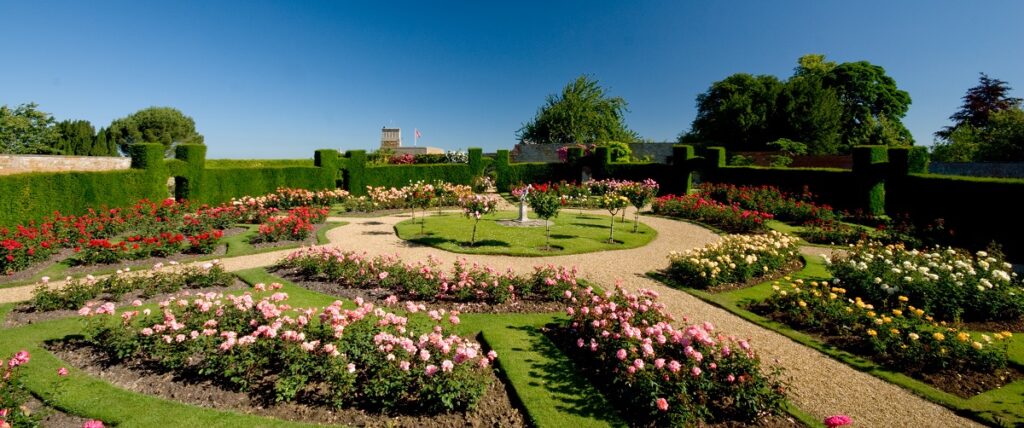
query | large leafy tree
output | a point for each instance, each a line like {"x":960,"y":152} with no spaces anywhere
{"x":809,"y":112}
{"x":77,"y":137}
{"x":827,"y":106}
{"x":26,"y":130}
{"x":736,"y":112}
{"x":1000,"y":139}
{"x":872,"y":105}
{"x":583,"y":113}
{"x":164,"y":125}
{"x":980,"y":102}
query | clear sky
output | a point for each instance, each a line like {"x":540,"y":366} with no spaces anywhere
{"x":280,"y":79}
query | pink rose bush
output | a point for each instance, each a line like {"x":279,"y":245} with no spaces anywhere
{"x":362,"y":356}
{"x":462,"y":282}
{"x":77,"y":293}
{"x":663,"y":375}
{"x":13,"y":393}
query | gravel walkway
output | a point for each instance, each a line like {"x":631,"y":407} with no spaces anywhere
{"x":821,"y":386}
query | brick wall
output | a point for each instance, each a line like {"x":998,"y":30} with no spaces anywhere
{"x":18,"y":164}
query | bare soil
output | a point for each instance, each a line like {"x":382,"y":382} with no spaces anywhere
{"x":495,"y":408}
{"x":377,"y":296}
{"x":53,"y":418}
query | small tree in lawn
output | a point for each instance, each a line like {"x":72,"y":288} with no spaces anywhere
{"x":475,"y":207}
{"x":545,"y":202}
{"x":420,"y":194}
{"x":613,"y":202}
{"x":639,"y":194}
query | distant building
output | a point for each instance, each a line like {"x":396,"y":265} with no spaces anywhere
{"x":391,"y":139}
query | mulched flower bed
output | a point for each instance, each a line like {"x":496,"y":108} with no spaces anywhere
{"x":495,"y":408}
{"x":377,"y":296}
{"x":23,"y":314}
{"x":961,"y":383}
{"x":564,"y":340}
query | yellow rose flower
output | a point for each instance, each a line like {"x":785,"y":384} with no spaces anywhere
{"x":904,"y":298}
{"x":976,"y":345}
{"x":872,"y":333}
{"x":939,"y":336}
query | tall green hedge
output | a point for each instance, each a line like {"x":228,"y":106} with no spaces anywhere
{"x":26,"y":197}
{"x":977,"y":211}
{"x":400,"y":175}
{"x":832,"y":186}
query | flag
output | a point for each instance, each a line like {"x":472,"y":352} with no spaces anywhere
{"x":418,"y":135}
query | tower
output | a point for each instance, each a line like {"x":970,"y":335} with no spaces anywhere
{"x":390,"y":138}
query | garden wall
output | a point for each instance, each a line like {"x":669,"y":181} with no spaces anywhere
{"x":979,"y":169}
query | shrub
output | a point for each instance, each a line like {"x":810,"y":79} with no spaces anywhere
{"x":465,"y":282}
{"x":76,"y":293}
{"x":769,"y":199}
{"x":365,"y":357}
{"x":695,"y":207}
{"x":902,"y":337}
{"x":545,"y":202}
{"x":13,"y":394}
{"x":296,"y":226}
{"x":736,"y":259}
{"x":639,"y":194}
{"x":667,"y":376}
{"x":949,"y":283}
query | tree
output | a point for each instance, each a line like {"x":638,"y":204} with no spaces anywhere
{"x":735,"y":112}
{"x":1001,"y":139}
{"x":813,"y":65}
{"x":77,"y":138}
{"x":808,"y":111}
{"x":26,"y":130}
{"x":872,"y":104}
{"x":164,"y":125}
{"x":980,"y":102}
{"x":582,"y":114}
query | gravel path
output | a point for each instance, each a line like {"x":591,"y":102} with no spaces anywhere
{"x":821,"y":386}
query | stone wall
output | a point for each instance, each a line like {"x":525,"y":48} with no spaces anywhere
{"x":658,"y":152}
{"x":18,"y":164}
{"x":978,"y":169}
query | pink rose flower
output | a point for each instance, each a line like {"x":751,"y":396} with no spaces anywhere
{"x":837,"y":421}
{"x":662,"y":404}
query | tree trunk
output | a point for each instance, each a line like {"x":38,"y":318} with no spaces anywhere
{"x":547,"y":235}
{"x":611,"y":231}
{"x":472,"y":241}
{"x":636,"y":221}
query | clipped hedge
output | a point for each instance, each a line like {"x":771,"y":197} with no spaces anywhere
{"x":257,"y":163}
{"x":835,"y":187}
{"x":25,"y":197}
{"x":401,"y":175}
{"x":977,"y":210}
{"x":222,"y":184}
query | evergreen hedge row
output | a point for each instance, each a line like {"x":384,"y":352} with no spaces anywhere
{"x":25,"y":197}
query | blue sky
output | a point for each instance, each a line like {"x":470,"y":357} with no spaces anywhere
{"x":280,"y":79}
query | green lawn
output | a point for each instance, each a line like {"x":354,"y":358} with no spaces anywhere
{"x":571,"y":233}
{"x":1003,"y":406}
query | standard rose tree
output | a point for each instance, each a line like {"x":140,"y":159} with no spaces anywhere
{"x":545,"y":202}
{"x":639,"y":194}
{"x":613,"y":202}
{"x":475,"y":207}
